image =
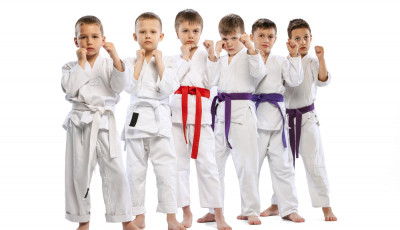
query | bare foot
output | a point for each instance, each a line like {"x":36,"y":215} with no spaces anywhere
{"x":187,"y":217}
{"x":329,"y":216}
{"x":209,"y":217}
{"x":173,"y":224}
{"x":83,"y":226}
{"x":129,"y":226}
{"x":252,"y":220}
{"x":219,"y":217}
{"x":139,"y":221}
{"x":271,"y":211}
{"x":294,"y":217}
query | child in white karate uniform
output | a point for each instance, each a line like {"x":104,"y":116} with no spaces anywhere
{"x":148,"y":122}
{"x":92,"y":84}
{"x":271,"y":122}
{"x":193,"y":136}
{"x":236,"y":75}
{"x":304,"y":132}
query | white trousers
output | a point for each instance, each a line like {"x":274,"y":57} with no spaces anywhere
{"x":114,"y":182}
{"x":207,"y":170}
{"x":161,"y":152}
{"x":312,"y":153}
{"x":281,"y":169}
{"x":243,"y":138}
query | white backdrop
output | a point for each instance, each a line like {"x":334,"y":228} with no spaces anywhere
{"x":359,"y":111}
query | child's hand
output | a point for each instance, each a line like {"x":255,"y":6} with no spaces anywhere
{"x":219,"y":46}
{"x":140,"y":55}
{"x":186,"y":50}
{"x":245,"y":39}
{"x":157,"y":54}
{"x":81,"y":54}
{"x":209,"y":45}
{"x":292,"y":47}
{"x":319,"y":51}
{"x":109,"y":47}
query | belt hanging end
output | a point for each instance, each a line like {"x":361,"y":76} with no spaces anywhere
{"x":87,"y":193}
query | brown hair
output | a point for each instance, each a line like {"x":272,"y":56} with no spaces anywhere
{"x":297,"y":24}
{"x":88,"y":19}
{"x":148,"y":15}
{"x":231,"y":23}
{"x":263,"y":23}
{"x":188,"y":15}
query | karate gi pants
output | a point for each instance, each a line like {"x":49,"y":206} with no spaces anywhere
{"x":312,"y":153}
{"x":243,"y":139}
{"x":161,"y":152}
{"x":207,"y":170}
{"x":281,"y":169}
{"x":114,"y":182}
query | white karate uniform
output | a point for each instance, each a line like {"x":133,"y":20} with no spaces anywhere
{"x":310,"y":147}
{"x":240,"y":76}
{"x":281,"y":71}
{"x":92,"y":139}
{"x":150,"y":135}
{"x":194,"y":73}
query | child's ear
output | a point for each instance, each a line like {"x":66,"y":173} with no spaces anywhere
{"x":104,"y":40}
{"x":251,"y":37}
{"x":76,"y":42}
{"x":134,"y":36}
{"x":177,"y":35}
{"x":161,"y":36}
{"x":310,"y":37}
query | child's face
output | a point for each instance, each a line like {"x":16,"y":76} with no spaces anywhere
{"x":90,"y":38}
{"x":189,"y":33}
{"x":264,"y":39}
{"x":232,"y":43}
{"x":148,"y":34}
{"x":303,"y":37}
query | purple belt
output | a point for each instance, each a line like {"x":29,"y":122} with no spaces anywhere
{"x":272,"y":98}
{"x":227,"y":97}
{"x":296,"y":113}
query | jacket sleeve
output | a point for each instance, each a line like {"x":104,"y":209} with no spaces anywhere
{"x":74,"y":77}
{"x":292,"y":71}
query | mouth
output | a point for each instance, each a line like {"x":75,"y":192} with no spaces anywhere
{"x":147,"y":42}
{"x":265,"y":46}
{"x":303,"y":48}
{"x":90,"y":49}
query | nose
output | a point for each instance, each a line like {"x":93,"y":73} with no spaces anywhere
{"x":190,"y":34}
{"x":90,"y":40}
{"x":303,"y":41}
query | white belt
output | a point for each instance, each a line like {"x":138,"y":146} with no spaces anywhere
{"x":95,"y":118}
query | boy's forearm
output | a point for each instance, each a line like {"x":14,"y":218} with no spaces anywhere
{"x":118,"y":63}
{"x":137,"y":69}
{"x":160,"y":69}
{"x":323,"y":71}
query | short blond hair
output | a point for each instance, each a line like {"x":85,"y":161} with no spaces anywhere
{"x":88,"y":19}
{"x":188,"y":15}
{"x":231,"y":23}
{"x":148,"y":15}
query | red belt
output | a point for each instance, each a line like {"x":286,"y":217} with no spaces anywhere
{"x":199,"y":92}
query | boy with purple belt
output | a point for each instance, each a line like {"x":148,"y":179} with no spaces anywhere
{"x":304,"y":132}
{"x":236,"y":75}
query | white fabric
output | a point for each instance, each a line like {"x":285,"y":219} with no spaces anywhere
{"x":310,"y":148}
{"x":239,"y":76}
{"x":281,"y":71}
{"x":114,"y":182}
{"x":281,"y":169}
{"x":151,"y":136}
{"x":161,"y":152}
{"x":207,"y":170}
{"x":90,"y":132}
{"x":193,"y":72}
{"x":245,"y":158}
{"x":306,"y":93}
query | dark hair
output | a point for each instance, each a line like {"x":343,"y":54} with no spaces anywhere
{"x":148,"y":15}
{"x":230,"y":24}
{"x":88,"y":19}
{"x":297,"y":24}
{"x":263,"y":23}
{"x":189,"y":15}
